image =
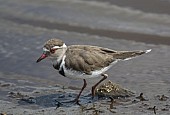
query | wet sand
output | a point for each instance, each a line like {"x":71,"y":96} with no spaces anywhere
{"x":30,"y":88}
{"x":26,"y":97}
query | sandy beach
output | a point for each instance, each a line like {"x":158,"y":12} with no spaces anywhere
{"x":28,"y":88}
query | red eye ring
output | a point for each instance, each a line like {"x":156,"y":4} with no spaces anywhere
{"x":52,"y":50}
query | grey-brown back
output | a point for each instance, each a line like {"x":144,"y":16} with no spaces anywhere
{"x":85,"y":58}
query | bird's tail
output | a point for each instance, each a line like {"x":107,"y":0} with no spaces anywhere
{"x":126,"y":55}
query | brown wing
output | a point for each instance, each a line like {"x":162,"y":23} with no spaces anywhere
{"x":123,"y":55}
{"x":88,"y":58}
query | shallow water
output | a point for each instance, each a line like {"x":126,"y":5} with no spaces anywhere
{"x":22,"y":35}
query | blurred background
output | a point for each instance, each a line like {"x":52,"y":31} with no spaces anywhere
{"x":117,"y":24}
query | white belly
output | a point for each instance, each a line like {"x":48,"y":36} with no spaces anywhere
{"x":79,"y":75}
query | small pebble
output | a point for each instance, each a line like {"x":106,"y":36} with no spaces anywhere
{"x":61,"y":96}
{"x":165,"y":109}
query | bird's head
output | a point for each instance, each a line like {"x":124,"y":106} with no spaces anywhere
{"x":54,"y":49}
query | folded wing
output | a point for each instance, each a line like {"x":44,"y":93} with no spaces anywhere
{"x":86,"y":58}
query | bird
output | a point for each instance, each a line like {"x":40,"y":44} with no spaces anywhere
{"x":84,"y":61}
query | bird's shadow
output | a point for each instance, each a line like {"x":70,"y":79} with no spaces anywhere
{"x":61,"y":99}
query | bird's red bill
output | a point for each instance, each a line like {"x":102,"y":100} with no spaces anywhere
{"x":43,"y":56}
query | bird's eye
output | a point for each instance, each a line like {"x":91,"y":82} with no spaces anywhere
{"x":52,"y":50}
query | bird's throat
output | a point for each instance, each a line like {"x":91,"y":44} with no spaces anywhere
{"x":58,"y":62}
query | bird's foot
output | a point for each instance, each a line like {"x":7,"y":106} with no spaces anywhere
{"x":75,"y":101}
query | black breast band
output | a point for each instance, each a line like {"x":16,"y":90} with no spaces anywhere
{"x":61,"y":71}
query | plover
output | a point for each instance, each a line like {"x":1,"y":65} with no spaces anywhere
{"x":84,"y":61}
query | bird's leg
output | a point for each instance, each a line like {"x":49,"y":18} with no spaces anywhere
{"x":77,"y":98}
{"x":94,"y":87}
